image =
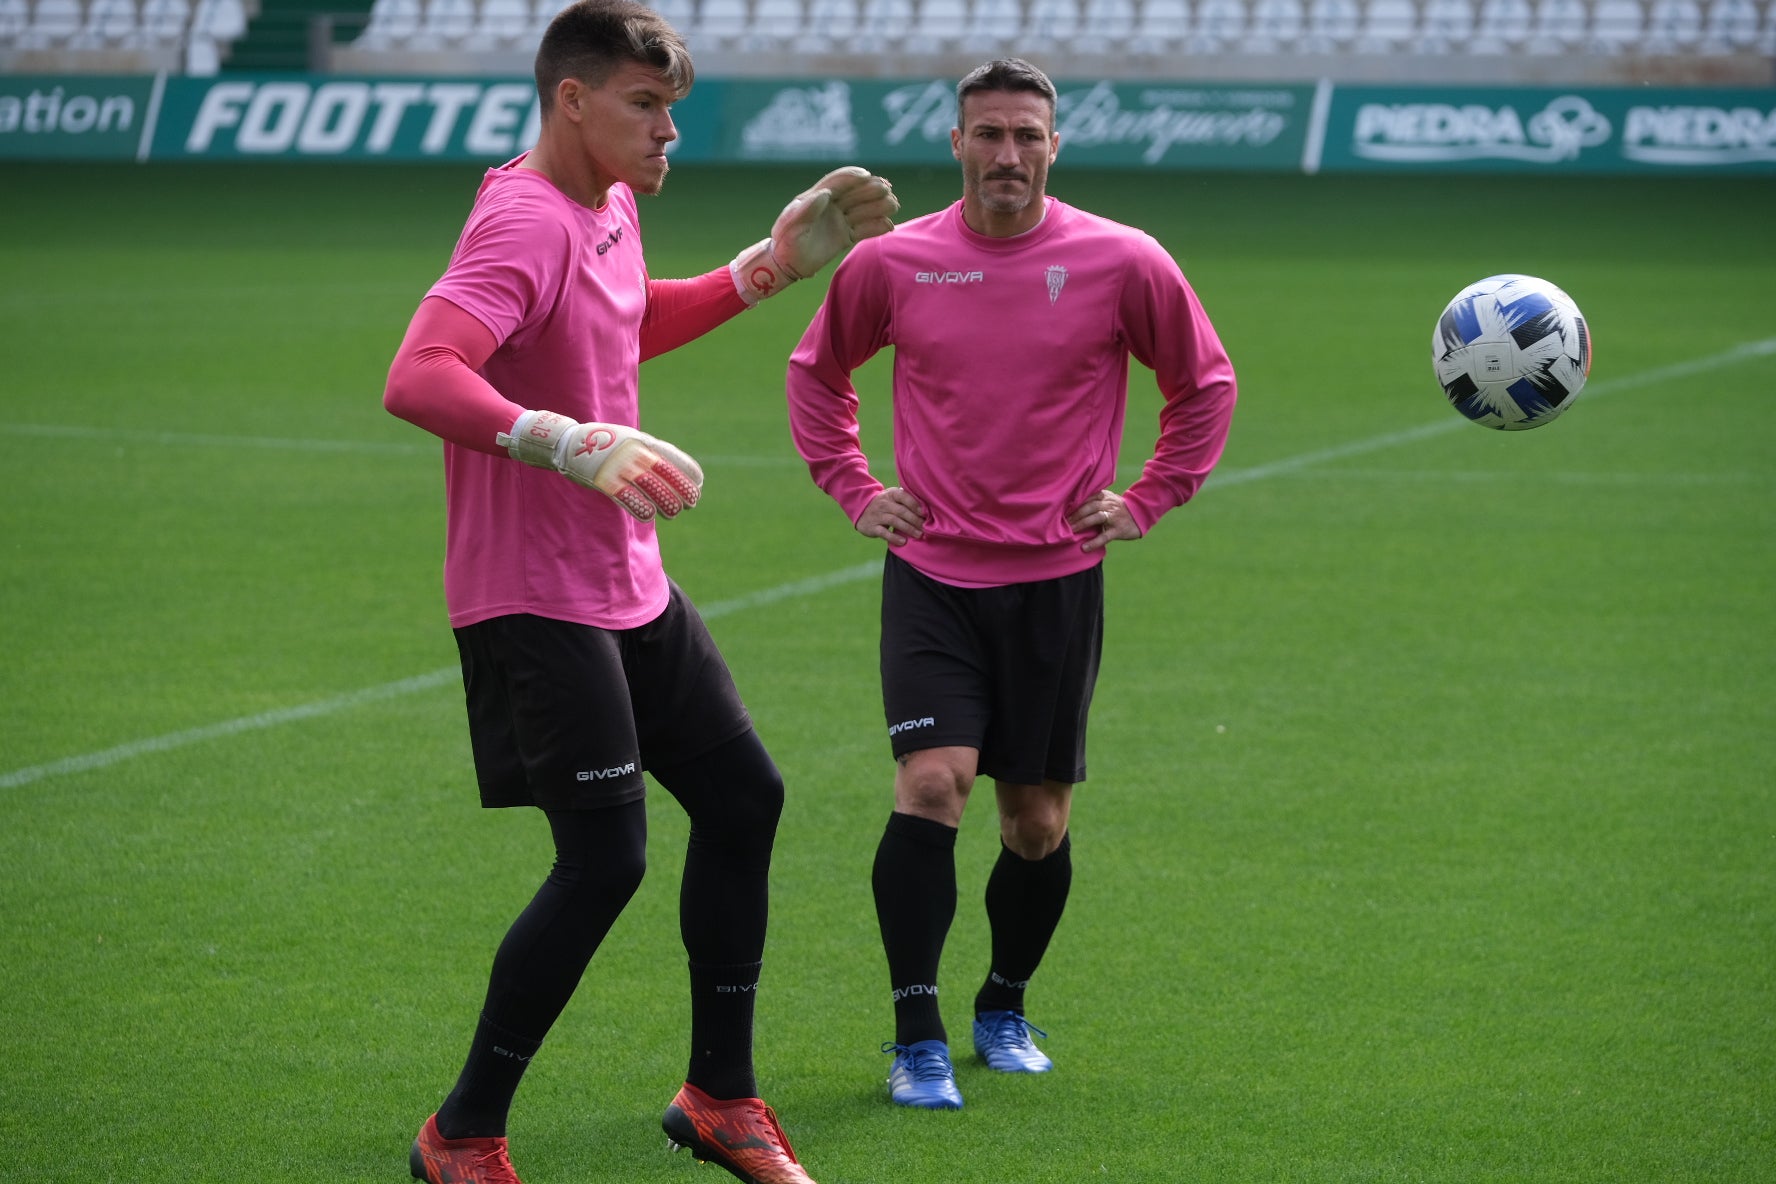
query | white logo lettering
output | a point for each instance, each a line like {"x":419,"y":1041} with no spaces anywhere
{"x":605,"y":774}
{"x":1441,"y":131}
{"x":908,"y":992}
{"x":949,"y":277}
{"x":804,"y":120}
{"x":909,"y":725}
{"x":54,"y":110}
{"x":338,"y":117}
{"x":1699,"y":135}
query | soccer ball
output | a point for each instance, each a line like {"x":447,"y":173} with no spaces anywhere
{"x":1511,"y":351}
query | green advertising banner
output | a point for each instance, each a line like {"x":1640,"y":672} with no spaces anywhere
{"x":1573,"y":130}
{"x":1133,"y":125}
{"x":76,"y":117}
{"x":1102,"y":124}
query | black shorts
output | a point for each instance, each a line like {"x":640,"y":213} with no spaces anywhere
{"x":1008,"y":671}
{"x":566,"y":716}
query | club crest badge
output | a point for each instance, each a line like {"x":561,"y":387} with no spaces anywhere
{"x":1057,"y":279}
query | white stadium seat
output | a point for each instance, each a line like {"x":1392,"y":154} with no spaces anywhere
{"x":1105,"y":25}
{"x":1388,"y":26}
{"x":1276,"y":26}
{"x":831,"y":26}
{"x":1616,"y":26}
{"x":1672,"y":27}
{"x":1332,"y":26}
{"x":1051,"y":25}
{"x":53,"y":24}
{"x":503,"y":24}
{"x":775,"y":23}
{"x":993,"y":27}
{"x":1161,"y":27}
{"x":882,"y":25}
{"x":937,"y":25}
{"x":1503,"y":26}
{"x":109,"y":25}
{"x":1446,"y":26}
{"x":392,"y":25}
{"x":1560,"y":26}
{"x":719,"y":24}
{"x":163,"y":23}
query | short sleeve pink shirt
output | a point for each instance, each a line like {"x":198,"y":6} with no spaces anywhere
{"x":562,"y":288}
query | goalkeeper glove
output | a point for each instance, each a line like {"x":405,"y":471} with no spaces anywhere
{"x":644,"y":475}
{"x":848,"y":205}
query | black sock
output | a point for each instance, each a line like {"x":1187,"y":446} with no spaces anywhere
{"x":1025,"y":899}
{"x":721,"y":1030}
{"x":915,"y":886}
{"x":600,"y":857}
{"x":477,"y":1107}
{"x":733,"y":796}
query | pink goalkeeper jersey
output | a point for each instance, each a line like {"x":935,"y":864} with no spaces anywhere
{"x":563,"y":290}
{"x":1010,"y":385}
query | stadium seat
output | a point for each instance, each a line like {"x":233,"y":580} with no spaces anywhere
{"x":1105,"y":25}
{"x":1332,"y":26}
{"x":1673,"y":27}
{"x":993,"y":27}
{"x":1502,"y":26}
{"x":162,"y":23}
{"x":1161,"y":27}
{"x":1219,"y":26}
{"x":446,"y":24}
{"x":937,"y":25}
{"x":882,"y":25}
{"x":831,"y":26}
{"x":679,"y":13}
{"x":1051,"y":25}
{"x":774,"y":24}
{"x":15,"y":18}
{"x":1447,"y":25}
{"x":719,"y":25}
{"x":109,"y":24}
{"x":1559,"y":26}
{"x":1389,"y":26}
{"x":391,"y":25}
{"x":1277,"y":26}
{"x":503,"y":24}
{"x":1735,"y":26}
{"x":1616,"y":27}
{"x":222,"y":21}
{"x":53,"y":24}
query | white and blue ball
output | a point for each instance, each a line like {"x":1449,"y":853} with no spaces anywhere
{"x":1511,"y":351}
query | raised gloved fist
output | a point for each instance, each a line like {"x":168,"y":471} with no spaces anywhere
{"x":846,"y":206}
{"x":644,"y":475}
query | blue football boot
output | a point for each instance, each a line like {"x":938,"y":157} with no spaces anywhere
{"x":922,"y":1076}
{"x":1002,"y":1040}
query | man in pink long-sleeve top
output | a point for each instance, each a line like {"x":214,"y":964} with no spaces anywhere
{"x":1013,"y":317}
{"x":584,"y":665}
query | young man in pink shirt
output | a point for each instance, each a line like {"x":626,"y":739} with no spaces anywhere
{"x":1012,"y":317}
{"x":583,"y":664}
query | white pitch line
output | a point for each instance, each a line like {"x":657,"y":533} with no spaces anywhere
{"x":805,"y":587}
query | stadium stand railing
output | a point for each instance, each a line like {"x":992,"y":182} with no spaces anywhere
{"x":1665,"y":42}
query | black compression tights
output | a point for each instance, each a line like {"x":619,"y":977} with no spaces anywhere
{"x":733,"y":797}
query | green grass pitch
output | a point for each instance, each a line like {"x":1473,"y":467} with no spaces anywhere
{"x":1431,"y":830}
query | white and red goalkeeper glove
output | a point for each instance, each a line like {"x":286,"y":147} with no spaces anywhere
{"x":644,"y":475}
{"x":846,"y":206}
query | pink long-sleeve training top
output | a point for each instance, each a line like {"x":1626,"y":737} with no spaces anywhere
{"x":1010,"y":381}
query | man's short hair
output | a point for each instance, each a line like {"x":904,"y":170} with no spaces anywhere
{"x":1005,"y":74}
{"x":590,"y":40}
